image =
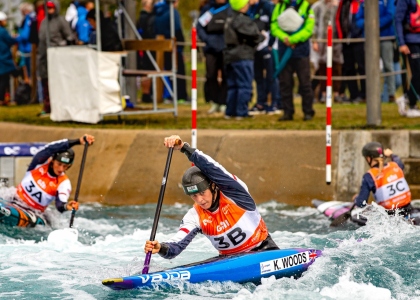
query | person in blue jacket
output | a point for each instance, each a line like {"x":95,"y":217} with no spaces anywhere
{"x":163,"y":27}
{"x":24,"y":45}
{"x":7,"y":66}
{"x":407,"y":12}
{"x":83,"y":28}
{"x":210,"y":28}
{"x":386,"y":29}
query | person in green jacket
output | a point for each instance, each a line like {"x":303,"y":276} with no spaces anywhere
{"x":292,"y":22}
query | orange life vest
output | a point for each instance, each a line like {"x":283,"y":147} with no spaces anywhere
{"x":38,"y":188}
{"x":232,"y":229}
{"x":392,"y":190}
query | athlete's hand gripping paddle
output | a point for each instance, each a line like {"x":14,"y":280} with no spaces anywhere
{"x":159,"y":206}
{"x":343,"y":217}
{"x":79,"y":181}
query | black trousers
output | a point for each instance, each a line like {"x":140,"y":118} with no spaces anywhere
{"x":414,"y":61}
{"x":4,"y":84}
{"x":354,"y":64}
{"x":213,"y":89}
{"x":300,"y":66}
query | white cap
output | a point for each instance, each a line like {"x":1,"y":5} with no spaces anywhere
{"x":3,"y":16}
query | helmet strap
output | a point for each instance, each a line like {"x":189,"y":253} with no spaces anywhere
{"x":215,"y":197}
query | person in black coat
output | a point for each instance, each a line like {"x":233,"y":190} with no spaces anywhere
{"x":110,"y":41}
{"x":210,"y":31}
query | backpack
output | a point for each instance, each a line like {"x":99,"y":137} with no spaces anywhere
{"x":414,"y":20}
{"x":290,"y":20}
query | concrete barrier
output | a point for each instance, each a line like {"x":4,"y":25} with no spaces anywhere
{"x":126,"y":166}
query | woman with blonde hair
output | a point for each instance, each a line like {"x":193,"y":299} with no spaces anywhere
{"x":385,"y":180}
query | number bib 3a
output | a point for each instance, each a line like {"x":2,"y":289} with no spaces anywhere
{"x":38,"y":188}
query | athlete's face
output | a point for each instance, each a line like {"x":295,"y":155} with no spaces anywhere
{"x":203,"y":199}
{"x":59,"y":167}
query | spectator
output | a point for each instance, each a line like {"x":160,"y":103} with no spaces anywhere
{"x":353,"y":53}
{"x":241,"y":38}
{"x":292,"y":23}
{"x":24,"y":45}
{"x":210,"y":31}
{"x":110,"y":41}
{"x":386,"y":27}
{"x":408,"y":34}
{"x":40,"y":13}
{"x":325,"y":12}
{"x":7,"y":65}
{"x":163,"y":27}
{"x":398,"y":77}
{"x":71,"y":14}
{"x":59,"y":34}
{"x":83,"y":28}
{"x":260,"y":11}
{"x":146,"y":28}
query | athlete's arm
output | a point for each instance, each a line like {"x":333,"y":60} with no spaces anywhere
{"x":189,"y":228}
{"x":368,"y":185}
{"x":230,"y":185}
{"x":63,"y":195}
{"x":47,"y":151}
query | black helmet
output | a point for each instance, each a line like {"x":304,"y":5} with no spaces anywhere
{"x":373,"y":149}
{"x":66,"y":157}
{"x":194,"y":181}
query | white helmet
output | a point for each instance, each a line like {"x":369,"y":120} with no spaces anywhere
{"x":3,"y":16}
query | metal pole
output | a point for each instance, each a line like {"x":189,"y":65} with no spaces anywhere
{"x":98,"y":25}
{"x":372,"y":51}
{"x":174,"y":55}
{"x":131,"y":59}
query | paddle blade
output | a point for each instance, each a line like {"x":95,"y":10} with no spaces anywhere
{"x":63,"y":236}
{"x":341,"y":219}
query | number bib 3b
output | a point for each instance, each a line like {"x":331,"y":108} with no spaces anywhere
{"x":232,"y":229}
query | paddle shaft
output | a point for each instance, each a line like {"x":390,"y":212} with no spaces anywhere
{"x":79,"y":180}
{"x":159,"y":207}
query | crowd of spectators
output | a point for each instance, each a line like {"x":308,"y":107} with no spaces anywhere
{"x":266,"y":42}
{"x":294,"y":33}
{"x":35,"y":34}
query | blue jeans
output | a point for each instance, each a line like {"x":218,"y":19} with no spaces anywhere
{"x":240,"y":75}
{"x":398,"y":83}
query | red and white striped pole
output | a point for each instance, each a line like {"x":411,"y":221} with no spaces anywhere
{"x":328,"y":104}
{"x":194,"y":87}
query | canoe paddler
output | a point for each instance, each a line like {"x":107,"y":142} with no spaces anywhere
{"x":385,"y":180}
{"x":224,"y":211}
{"x":45,"y":180}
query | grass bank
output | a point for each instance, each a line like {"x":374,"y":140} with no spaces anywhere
{"x":345,"y":116}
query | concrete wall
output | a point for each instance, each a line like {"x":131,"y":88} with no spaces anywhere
{"x":126,"y":166}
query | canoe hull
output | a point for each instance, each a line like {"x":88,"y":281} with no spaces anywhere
{"x":13,"y":215}
{"x":250,"y":267}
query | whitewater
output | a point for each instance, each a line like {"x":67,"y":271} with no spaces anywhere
{"x":377,"y":261}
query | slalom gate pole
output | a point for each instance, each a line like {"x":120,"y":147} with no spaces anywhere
{"x":194,"y":87}
{"x":328,"y":104}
